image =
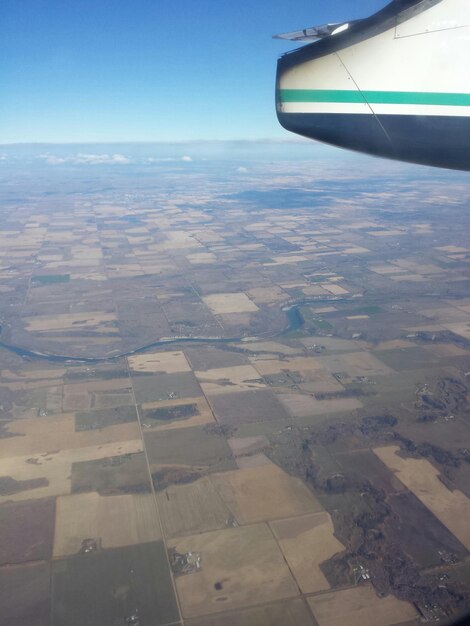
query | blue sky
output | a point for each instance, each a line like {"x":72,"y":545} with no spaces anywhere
{"x":148,"y":70}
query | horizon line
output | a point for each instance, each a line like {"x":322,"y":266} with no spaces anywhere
{"x":298,"y":140}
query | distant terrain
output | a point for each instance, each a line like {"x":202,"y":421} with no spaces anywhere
{"x":234,"y":388}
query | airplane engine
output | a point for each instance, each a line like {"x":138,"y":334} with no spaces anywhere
{"x":395,"y":85}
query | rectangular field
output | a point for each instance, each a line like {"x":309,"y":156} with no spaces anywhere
{"x":359,"y":606}
{"x":193,"y":508}
{"x":55,"y":469}
{"x":240,"y":566}
{"x":306,"y":542}
{"x":27,"y":530}
{"x":290,"y":613}
{"x":168,"y":362}
{"x":109,"y":586}
{"x":30,"y":583}
{"x":452,"y":508}
{"x":264,"y":493}
{"x":111,"y":521}
{"x":230,"y":379}
{"x":171,"y":414}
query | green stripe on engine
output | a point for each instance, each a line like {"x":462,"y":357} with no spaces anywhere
{"x":374,"y":97}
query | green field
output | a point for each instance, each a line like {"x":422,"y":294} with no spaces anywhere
{"x":50,"y":279}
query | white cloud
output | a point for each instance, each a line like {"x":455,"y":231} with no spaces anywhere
{"x":119,"y":159}
{"x":51,"y":159}
{"x":160,"y":159}
{"x":89,"y":159}
{"x":242,"y":170}
{"x":3,"y":157}
{"x":186,"y":158}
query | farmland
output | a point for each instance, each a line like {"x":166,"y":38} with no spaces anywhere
{"x":233,"y":398}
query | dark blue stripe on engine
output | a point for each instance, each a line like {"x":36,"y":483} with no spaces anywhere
{"x":441,"y":141}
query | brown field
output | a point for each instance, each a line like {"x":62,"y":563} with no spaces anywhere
{"x":320,"y":381}
{"x":240,"y":566}
{"x":294,"y":285}
{"x":414,"y":278}
{"x":267,"y":346}
{"x":462,"y":329}
{"x":222,"y":303}
{"x":452,"y":249}
{"x":418,"y":532}
{"x":168,"y":362}
{"x":68,"y":321}
{"x":109,"y":399}
{"x":32,"y":376}
{"x":336,"y":290}
{"x":286,"y":259}
{"x":56,"y":466}
{"x":204,"y":258}
{"x":306,"y":542}
{"x":58,"y":433}
{"x":356,"y":364}
{"x":447,"y":349}
{"x":31,"y":384}
{"x":264,"y":493}
{"x":34,"y":401}
{"x":205,"y":415}
{"x":301,"y":405}
{"x":201,"y":448}
{"x":90,"y":386}
{"x":31,"y":583}
{"x":243,"y":407}
{"x":76,"y":342}
{"x":117,"y":475}
{"x":229,"y":379}
{"x":359,"y":606}
{"x":254,"y":460}
{"x":88,"y":276}
{"x":266,"y":366}
{"x":394,"y":344}
{"x":180,"y":239}
{"x":113,"y":521}
{"x":364,"y":465}
{"x":207,"y":358}
{"x":316,"y":379}
{"x":267,"y":295}
{"x":96,"y":394}
{"x":290,"y":613}
{"x":77,"y":401}
{"x":425,"y":328}
{"x":355,"y":250}
{"x":445,"y":315}
{"x":452,"y":508}
{"x":193,"y":508}
{"x":314,"y":290}
{"x":241,"y":446}
{"x":233,"y":321}
{"x":418,"y":268}
{"x":335,"y":344}
{"x":364,"y":364}
{"x":323,"y":309}
{"x":386,"y":269}
{"x":27,"y":530}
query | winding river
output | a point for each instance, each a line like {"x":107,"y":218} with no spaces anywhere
{"x":292,"y":311}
